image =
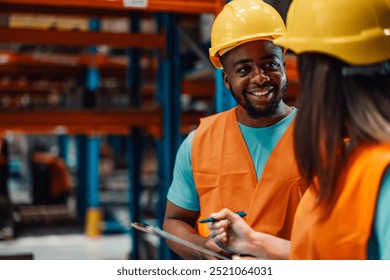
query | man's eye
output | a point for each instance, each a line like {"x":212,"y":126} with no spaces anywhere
{"x":272,"y":65}
{"x":243,"y":70}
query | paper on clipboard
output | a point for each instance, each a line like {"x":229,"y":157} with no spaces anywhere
{"x":161,"y":233}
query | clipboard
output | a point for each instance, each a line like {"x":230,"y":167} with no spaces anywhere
{"x":166,"y":235}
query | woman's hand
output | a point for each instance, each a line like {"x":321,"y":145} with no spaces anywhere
{"x":232,"y":233}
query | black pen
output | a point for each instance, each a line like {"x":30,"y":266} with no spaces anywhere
{"x":211,"y":219}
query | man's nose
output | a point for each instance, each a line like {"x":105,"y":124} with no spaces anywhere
{"x":260,"y":76}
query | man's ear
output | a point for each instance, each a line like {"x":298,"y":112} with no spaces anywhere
{"x":225,"y":78}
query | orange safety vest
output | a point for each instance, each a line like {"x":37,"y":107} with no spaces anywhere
{"x":345,"y":231}
{"x":225,"y":177}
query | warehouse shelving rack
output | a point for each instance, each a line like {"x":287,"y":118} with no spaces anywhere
{"x":165,"y":119}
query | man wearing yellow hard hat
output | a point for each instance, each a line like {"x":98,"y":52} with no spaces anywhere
{"x":343,"y":50}
{"x":242,"y":159}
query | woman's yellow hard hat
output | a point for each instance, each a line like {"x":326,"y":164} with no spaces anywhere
{"x":355,"y":31}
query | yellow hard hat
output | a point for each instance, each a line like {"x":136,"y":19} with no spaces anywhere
{"x":355,"y":31}
{"x":242,"y":21}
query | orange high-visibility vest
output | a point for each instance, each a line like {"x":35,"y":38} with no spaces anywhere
{"x":225,"y":177}
{"x":345,"y":231}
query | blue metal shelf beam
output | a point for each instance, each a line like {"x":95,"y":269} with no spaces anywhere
{"x":168,"y":94}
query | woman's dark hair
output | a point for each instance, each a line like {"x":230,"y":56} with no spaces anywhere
{"x":331,"y":108}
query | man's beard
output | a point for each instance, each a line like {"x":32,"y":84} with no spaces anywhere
{"x":267,"y":113}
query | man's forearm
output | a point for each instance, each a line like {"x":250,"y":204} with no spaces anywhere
{"x":185,"y":231}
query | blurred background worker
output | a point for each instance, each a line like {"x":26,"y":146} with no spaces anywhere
{"x":51,"y":181}
{"x":342,"y":135}
{"x":242,"y":158}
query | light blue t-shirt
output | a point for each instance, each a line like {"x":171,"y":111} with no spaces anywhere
{"x":259,"y":141}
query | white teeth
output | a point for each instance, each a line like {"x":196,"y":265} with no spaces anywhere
{"x":260,"y":93}
{"x":265,"y":91}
